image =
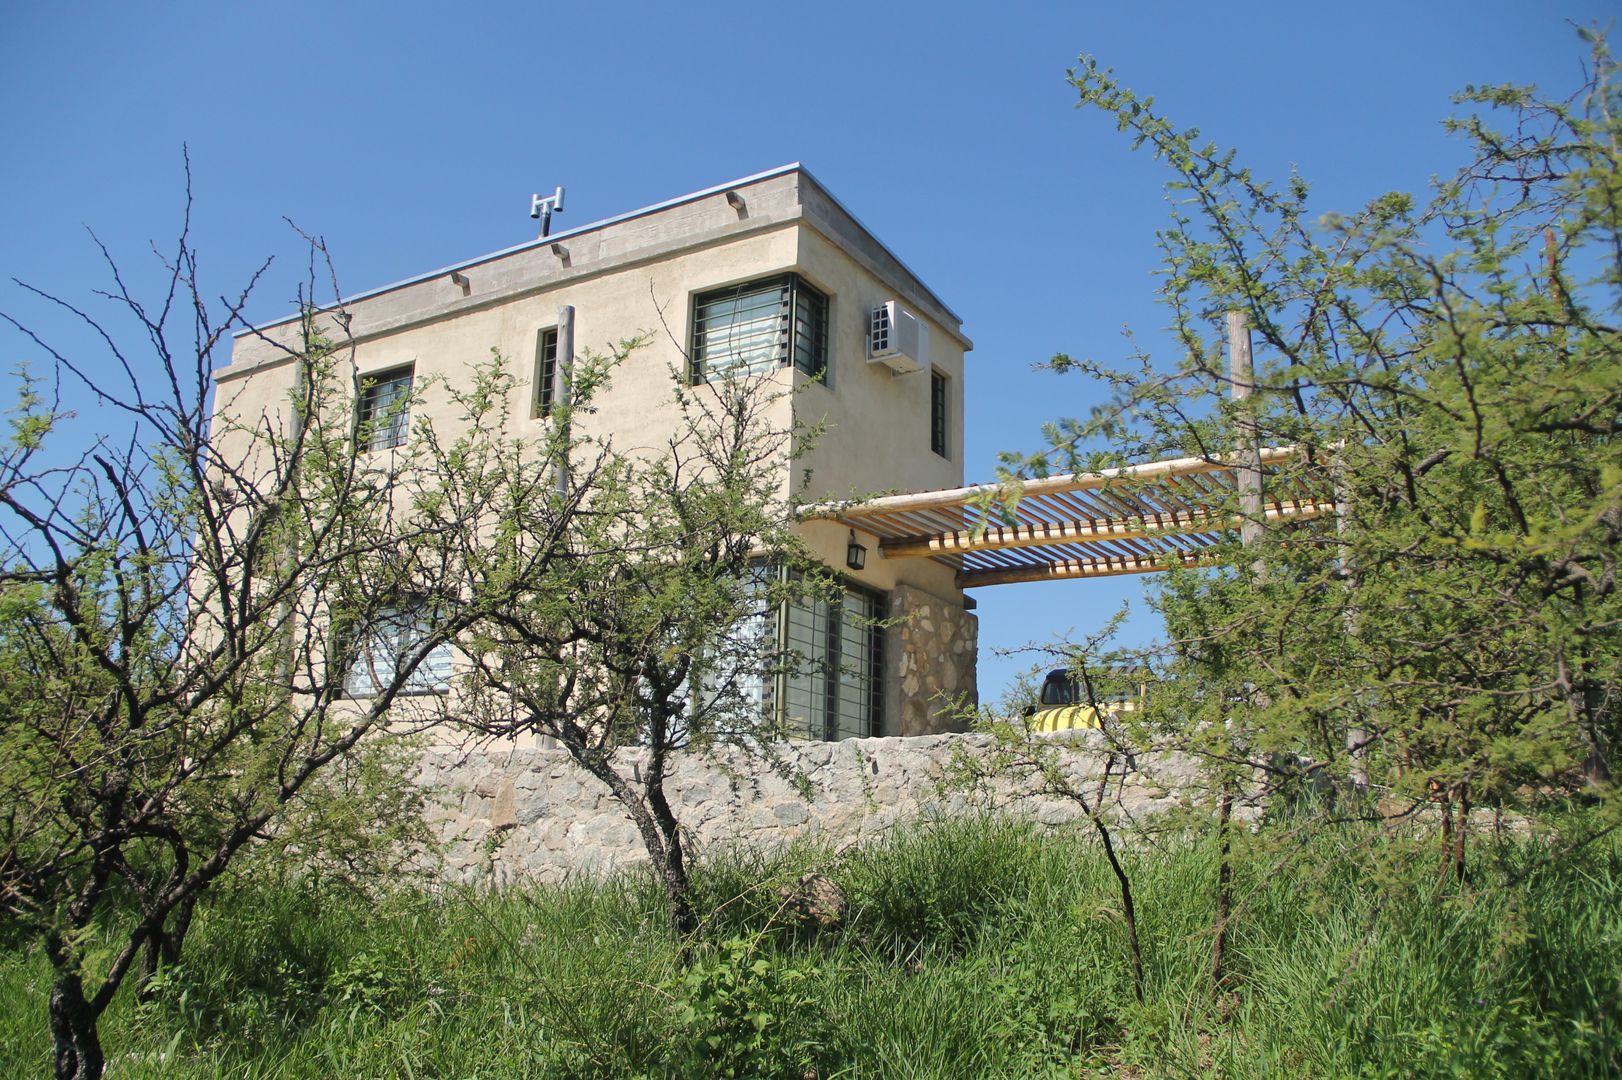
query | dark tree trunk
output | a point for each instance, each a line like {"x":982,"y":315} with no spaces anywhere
{"x":1460,"y":833}
{"x":1224,"y":898}
{"x":1130,"y":910}
{"x":678,"y":891}
{"x":1095,"y":814}
{"x":73,"y":1029}
{"x":1446,"y":868}
{"x":163,"y":947}
{"x":661,"y":838}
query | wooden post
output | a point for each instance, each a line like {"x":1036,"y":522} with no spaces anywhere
{"x":1242,"y":379}
{"x":562,"y":377}
{"x":1248,"y":481}
{"x":1356,"y":736}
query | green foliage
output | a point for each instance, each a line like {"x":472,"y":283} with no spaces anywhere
{"x":1339,"y":980}
{"x":938,"y":886}
{"x":1450,"y":369}
{"x":178,"y":609}
{"x":625,"y":597}
{"x":747,"y":1012}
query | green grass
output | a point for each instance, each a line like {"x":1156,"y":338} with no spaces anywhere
{"x":970,"y":949}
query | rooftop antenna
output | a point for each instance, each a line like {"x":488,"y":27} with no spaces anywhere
{"x":542,"y":206}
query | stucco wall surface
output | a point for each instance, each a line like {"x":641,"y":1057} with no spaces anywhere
{"x":530,"y":814}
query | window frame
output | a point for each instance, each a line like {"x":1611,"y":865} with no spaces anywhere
{"x":372,"y":404}
{"x":817,"y":685}
{"x":940,"y":436}
{"x":546,"y":367}
{"x":406,"y":614}
{"x":802,"y":314}
{"x":825,"y":670}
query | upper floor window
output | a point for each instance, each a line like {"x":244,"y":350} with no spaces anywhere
{"x":938,"y":384}
{"x":389,"y":643}
{"x":758,"y":326}
{"x":546,"y":371}
{"x":385,"y":409}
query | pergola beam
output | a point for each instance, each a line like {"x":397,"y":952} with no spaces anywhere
{"x":1107,"y":478}
{"x":1042,"y":534}
{"x":1081,"y":568}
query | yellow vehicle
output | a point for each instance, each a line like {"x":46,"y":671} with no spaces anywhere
{"x":1065,"y":706}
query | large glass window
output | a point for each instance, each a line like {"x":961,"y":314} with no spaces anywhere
{"x":388,"y":643}
{"x":815,"y":665}
{"x":385,"y":409}
{"x":756,"y":327}
{"x":835,"y":690}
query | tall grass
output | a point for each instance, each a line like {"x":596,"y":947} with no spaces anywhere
{"x":970,"y":948}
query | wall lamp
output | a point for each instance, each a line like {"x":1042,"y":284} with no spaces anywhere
{"x":855,"y":554}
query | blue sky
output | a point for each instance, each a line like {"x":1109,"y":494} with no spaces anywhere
{"x":410,"y":135}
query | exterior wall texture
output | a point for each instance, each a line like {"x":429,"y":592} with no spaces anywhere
{"x":639,"y":275}
{"x":533,"y":815}
{"x":934,"y":646}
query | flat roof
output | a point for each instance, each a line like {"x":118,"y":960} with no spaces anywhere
{"x":558,"y":237}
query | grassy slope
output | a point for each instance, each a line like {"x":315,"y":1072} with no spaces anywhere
{"x":971,"y":950}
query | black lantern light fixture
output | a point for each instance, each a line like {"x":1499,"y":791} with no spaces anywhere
{"x":855,"y":554}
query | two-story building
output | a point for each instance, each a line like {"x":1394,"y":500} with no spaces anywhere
{"x":767,"y":273}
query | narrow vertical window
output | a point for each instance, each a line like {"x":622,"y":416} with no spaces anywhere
{"x":546,"y":371}
{"x":937,"y":412}
{"x":385,"y":409}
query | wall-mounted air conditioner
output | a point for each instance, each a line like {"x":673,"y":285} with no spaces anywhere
{"x":898,"y":339}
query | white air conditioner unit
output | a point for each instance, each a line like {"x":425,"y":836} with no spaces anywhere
{"x":898,"y":339}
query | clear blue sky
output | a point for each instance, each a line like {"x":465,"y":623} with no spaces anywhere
{"x":410,"y":135}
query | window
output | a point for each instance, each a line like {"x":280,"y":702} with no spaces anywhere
{"x":937,"y":412}
{"x":828,"y":683}
{"x":546,"y":370}
{"x":756,"y":327}
{"x":385,"y":409}
{"x":837,"y":693}
{"x":388,"y":643}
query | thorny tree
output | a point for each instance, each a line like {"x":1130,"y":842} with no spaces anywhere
{"x":653,"y":631}
{"x":1452,"y":370}
{"x":178,"y":612}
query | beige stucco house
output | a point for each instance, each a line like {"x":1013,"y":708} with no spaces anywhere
{"x":768,"y":272}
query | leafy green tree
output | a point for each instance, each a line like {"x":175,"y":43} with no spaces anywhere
{"x":1451,"y":370}
{"x":651,"y":631}
{"x":180,"y":611}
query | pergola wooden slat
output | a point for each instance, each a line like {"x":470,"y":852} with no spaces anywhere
{"x":1133,"y":520}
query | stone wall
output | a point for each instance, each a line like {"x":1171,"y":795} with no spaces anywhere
{"x":532,"y":814}
{"x":933,"y":648}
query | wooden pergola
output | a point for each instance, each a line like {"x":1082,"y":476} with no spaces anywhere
{"x":1133,"y":520}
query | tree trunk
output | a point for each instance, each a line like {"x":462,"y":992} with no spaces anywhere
{"x":662,"y":840}
{"x":1224,"y":899}
{"x":1127,"y":907}
{"x":73,"y":1028}
{"x":163,"y":947}
{"x":1444,"y":870}
{"x":678,"y":890}
{"x":1460,"y":833}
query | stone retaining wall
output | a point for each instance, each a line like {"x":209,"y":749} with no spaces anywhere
{"x":532,"y":814}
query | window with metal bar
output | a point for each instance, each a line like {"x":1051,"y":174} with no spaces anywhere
{"x":546,"y":370}
{"x":385,"y":409}
{"x":758,"y":326}
{"x":937,"y":412}
{"x":835,"y":688}
{"x":389,"y":642}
